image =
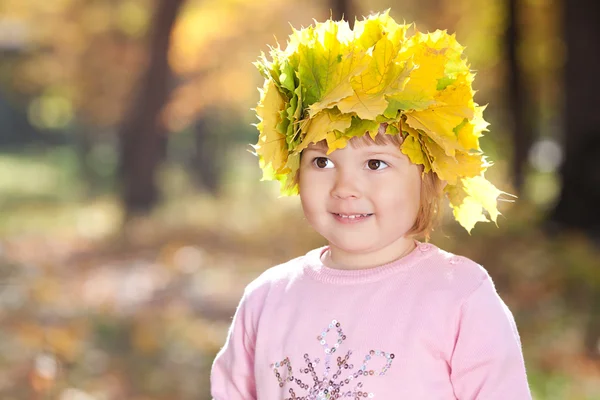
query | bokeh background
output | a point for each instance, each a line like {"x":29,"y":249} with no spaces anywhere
{"x":132,"y":215}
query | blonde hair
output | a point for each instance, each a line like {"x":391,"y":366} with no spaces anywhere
{"x":432,"y":187}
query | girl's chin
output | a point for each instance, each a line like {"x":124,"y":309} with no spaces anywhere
{"x":351,"y":247}
{"x":357,"y":245}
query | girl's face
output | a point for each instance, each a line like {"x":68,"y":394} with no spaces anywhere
{"x":363,"y":200}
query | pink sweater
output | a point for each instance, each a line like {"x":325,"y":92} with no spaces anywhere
{"x":429,"y":326}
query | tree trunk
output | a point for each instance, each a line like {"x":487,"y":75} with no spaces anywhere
{"x":577,"y":208}
{"x":580,"y":173}
{"x":143,"y":137}
{"x":207,"y":156}
{"x":518,"y":99}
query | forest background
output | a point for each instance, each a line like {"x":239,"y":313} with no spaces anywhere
{"x":132,"y":215}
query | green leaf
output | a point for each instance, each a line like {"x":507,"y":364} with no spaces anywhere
{"x":359,"y":127}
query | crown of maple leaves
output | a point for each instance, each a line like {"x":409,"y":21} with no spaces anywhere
{"x":332,"y":83}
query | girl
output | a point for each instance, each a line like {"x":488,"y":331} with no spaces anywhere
{"x":373,"y":127}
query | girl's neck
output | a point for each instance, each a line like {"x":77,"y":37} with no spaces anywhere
{"x":338,"y":258}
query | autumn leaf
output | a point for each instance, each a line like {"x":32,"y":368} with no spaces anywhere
{"x":271,"y":146}
{"x":451,"y":169}
{"x":440,"y":122}
{"x":484,"y":193}
{"x":288,"y":177}
{"x":468,"y":213}
{"x":439,"y":129}
{"x":470,"y":197}
{"x":469,"y":131}
{"x":429,"y":60}
{"x":370,"y":30}
{"x":335,"y":142}
{"x":359,"y":127}
{"x":286,"y":77}
{"x":327,"y":63}
{"x":413,"y":149}
{"x":317,"y":128}
{"x":327,"y":66}
{"x":386,"y":75}
{"x":391,"y":129}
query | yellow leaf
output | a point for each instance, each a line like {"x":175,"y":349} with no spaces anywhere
{"x":392,"y":129}
{"x":470,"y":197}
{"x":484,"y":193}
{"x":271,"y":146}
{"x":469,"y":133}
{"x":326,"y":63}
{"x":370,"y":30}
{"x":468,"y":213}
{"x":456,"y":99}
{"x":373,"y":133}
{"x":335,"y":143}
{"x":413,"y":149}
{"x":450,"y":169}
{"x":317,"y":128}
{"x":386,"y":74}
{"x":364,"y":105}
{"x":440,"y":121}
{"x":360,"y":126}
{"x":422,"y":83}
{"x":331,"y":67}
{"x":439,"y":127}
{"x":412,"y":146}
{"x":288,"y":181}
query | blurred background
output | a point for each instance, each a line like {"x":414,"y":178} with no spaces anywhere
{"x":132,"y":215}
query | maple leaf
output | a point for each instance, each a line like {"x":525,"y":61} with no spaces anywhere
{"x":450,"y":169}
{"x":484,"y":193}
{"x":335,"y":142}
{"x":326,"y":62}
{"x":370,"y":30}
{"x":359,"y":127}
{"x":317,"y":128}
{"x":412,"y":147}
{"x":386,"y":74}
{"x":271,"y":146}
{"x":453,"y":105}
{"x":327,"y":66}
{"x":470,"y":197}
{"x":469,"y":131}
{"x":338,"y":139}
{"x":419,"y":92}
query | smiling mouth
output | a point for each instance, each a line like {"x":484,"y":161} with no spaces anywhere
{"x":351,"y":216}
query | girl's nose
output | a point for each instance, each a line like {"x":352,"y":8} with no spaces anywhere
{"x":345,"y":186}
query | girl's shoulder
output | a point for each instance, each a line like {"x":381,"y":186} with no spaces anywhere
{"x":278,"y":276}
{"x":447,"y":271}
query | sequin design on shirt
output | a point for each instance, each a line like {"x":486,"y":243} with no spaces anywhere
{"x":338,"y":381}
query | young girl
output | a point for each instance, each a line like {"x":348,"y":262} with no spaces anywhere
{"x":373,"y":127}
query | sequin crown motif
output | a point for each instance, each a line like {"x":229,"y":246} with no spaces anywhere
{"x":339,"y":379}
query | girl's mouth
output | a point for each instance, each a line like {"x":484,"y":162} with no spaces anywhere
{"x":350,"y":218}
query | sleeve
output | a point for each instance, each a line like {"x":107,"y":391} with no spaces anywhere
{"x":232,"y":373}
{"x":487,"y":361}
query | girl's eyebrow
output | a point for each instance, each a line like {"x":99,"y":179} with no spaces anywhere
{"x":317,"y":149}
{"x":386,"y":153}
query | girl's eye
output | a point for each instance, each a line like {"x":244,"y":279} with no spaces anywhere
{"x":376,"y":165}
{"x":322,"y":162}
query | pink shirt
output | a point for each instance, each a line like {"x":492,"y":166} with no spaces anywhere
{"x":429,"y":326}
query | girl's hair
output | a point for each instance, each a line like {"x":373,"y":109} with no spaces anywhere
{"x":432,"y":187}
